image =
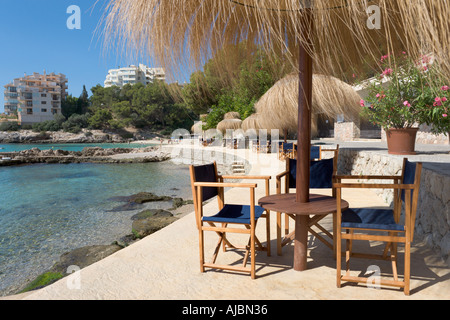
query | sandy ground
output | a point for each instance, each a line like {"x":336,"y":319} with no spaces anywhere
{"x":165,"y":265}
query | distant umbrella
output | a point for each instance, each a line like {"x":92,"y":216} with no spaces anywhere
{"x":197,"y":127}
{"x":278,"y":107}
{"x":232,"y":124}
{"x":251,"y":123}
{"x":232,"y":115}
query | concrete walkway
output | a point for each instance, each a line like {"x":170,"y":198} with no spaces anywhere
{"x":165,"y":265}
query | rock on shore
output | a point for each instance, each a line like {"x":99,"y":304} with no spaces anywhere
{"x":85,"y":136}
{"x":90,"y":154}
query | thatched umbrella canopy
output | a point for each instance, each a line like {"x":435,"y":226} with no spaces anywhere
{"x":232,"y":124}
{"x":346,"y":33}
{"x":232,"y":115}
{"x":252,"y":123}
{"x":334,"y":36}
{"x":278,"y":107}
{"x":197,"y":127}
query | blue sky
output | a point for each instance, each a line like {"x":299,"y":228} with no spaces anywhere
{"x":34,"y":37}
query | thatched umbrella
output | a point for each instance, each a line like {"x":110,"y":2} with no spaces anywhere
{"x":337,"y":35}
{"x":278,"y":107}
{"x":252,"y":123}
{"x":231,"y":124}
{"x":232,"y":115}
{"x":197,"y":127}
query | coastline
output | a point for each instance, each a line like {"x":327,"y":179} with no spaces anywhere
{"x":88,"y":154}
{"x":84,"y":136}
{"x":100,"y":251}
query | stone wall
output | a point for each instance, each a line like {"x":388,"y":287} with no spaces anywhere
{"x":433,"y":211}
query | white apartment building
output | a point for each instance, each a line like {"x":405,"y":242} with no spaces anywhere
{"x":132,"y":75}
{"x":35,"y":98}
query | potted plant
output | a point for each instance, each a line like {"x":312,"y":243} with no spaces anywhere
{"x":402,"y":98}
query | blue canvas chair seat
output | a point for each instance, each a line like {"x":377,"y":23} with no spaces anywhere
{"x":375,"y":219}
{"x":320,"y":177}
{"x":207,"y":184}
{"x":357,"y":224}
{"x":232,"y":213}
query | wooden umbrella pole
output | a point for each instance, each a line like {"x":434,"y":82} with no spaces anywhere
{"x":304,"y":112}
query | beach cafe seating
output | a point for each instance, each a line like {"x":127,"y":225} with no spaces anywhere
{"x":382,"y":225}
{"x":230,"y":218}
{"x":286,"y":150}
{"x":321,"y":177}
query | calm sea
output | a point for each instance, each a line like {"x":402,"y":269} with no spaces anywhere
{"x":49,"y":209}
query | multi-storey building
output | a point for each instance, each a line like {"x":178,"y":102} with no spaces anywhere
{"x":132,"y":75}
{"x":36,"y":98}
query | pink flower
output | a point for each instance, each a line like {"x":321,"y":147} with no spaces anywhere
{"x":444,"y":115}
{"x":443,"y":99}
{"x":378,"y":95}
{"x":407,"y":104}
{"x":445,"y":88}
{"x":362,"y":103}
{"x":354,"y":75}
{"x":387,"y":72}
{"x":438,"y":102}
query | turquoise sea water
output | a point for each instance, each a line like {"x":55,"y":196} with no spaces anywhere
{"x":49,"y":209}
{"x":13,"y":147}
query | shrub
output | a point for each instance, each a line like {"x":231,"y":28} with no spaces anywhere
{"x":9,"y":126}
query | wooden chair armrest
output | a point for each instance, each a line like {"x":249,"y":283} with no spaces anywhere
{"x":281,"y":175}
{"x":225,"y":185}
{"x":373,"y":186}
{"x":247,"y":177}
{"x":369,"y":177}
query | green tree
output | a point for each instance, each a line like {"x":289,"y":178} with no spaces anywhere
{"x":83,"y":101}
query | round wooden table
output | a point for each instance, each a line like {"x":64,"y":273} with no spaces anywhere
{"x":317,"y":205}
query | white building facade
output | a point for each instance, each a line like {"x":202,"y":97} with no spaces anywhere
{"x":35,"y":98}
{"x":133,"y":75}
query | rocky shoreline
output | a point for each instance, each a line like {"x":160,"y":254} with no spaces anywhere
{"x":88,"y":154}
{"x":143,"y":224}
{"x":85,"y":136}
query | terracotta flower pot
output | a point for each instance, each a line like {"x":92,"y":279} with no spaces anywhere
{"x":401,"y":141}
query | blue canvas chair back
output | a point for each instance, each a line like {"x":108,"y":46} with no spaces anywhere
{"x":315,"y":152}
{"x":409,"y":176}
{"x":206,"y":173}
{"x":288,"y":146}
{"x":321,"y":173}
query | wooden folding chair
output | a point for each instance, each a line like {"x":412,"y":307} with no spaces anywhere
{"x":207,"y":184}
{"x":368,"y":223}
{"x":321,"y":177}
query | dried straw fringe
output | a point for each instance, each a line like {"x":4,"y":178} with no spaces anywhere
{"x":188,"y":32}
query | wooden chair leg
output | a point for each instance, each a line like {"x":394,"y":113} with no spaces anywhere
{"x":268,"y":232}
{"x":338,"y":259}
{"x":224,"y":247}
{"x":252,"y":254}
{"x":279,"y":249}
{"x":407,"y":267}
{"x":348,"y":253}
{"x":202,"y":250}
{"x":334,"y":234}
{"x":286,"y":225}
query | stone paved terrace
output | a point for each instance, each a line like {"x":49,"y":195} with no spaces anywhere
{"x":165,"y":265}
